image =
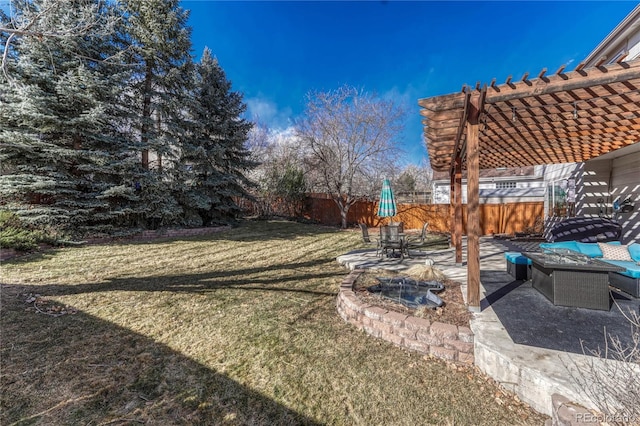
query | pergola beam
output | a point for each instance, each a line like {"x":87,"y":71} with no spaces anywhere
{"x":574,"y":80}
{"x":456,"y":181}
{"x":604,"y":75}
{"x":463,"y":118}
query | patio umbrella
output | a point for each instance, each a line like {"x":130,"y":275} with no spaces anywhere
{"x":387,"y":206}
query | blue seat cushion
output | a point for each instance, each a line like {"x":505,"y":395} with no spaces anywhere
{"x":517,"y":258}
{"x":633,"y":269}
{"x":634,"y":251}
{"x":589,"y":249}
{"x":569,"y":245}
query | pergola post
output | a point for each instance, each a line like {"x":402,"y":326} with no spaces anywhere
{"x":473,"y":208}
{"x":452,"y":205}
{"x":457,"y":216}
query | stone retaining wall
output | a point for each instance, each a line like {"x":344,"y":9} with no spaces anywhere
{"x":430,"y":338}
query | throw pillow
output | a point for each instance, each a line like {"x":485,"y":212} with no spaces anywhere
{"x":612,"y":252}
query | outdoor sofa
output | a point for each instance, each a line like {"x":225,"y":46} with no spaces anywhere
{"x":628,"y":280}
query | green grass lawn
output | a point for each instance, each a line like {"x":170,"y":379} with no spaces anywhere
{"x":234,"y":328}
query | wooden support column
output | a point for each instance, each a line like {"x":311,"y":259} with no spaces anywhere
{"x":473,"y":209}
{"x":457,"y":220}
{"x":452,"y":205}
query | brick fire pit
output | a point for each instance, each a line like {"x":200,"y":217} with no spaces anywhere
{"x":439,"y":339}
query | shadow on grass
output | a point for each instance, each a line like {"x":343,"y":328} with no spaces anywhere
{"x":202,"y":282}
{"x":78,"y":369}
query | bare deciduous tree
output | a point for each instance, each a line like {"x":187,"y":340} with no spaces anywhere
{"x":414,"y":182}
{"x":279,"y":177}
{"x":350,"y":138}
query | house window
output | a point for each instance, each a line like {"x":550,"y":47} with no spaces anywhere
{"x":505,"y":185}
{"x":562,"y":198}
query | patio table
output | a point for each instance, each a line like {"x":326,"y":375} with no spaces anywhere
{"x":569,"y":278}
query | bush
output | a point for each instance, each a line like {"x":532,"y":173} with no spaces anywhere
{"x":16,"y":235}
{"x":613,"y":385}
{"x":9,"y":220}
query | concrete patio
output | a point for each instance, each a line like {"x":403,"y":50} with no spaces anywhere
{"x":530,"y":346}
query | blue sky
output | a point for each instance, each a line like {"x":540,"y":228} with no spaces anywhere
{"x":275,"y":52}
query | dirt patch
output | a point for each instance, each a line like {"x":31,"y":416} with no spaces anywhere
{"x":453,"y":311}
{"x":39,"y":304}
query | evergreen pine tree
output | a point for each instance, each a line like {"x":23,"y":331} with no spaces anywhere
{"x":159,"y":44}
{"x":214,"y":158}
{"x":60,"y":146}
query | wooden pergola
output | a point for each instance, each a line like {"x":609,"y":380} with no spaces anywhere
{"x":550,"y":119}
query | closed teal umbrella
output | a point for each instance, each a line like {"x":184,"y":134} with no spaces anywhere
{"x":387,"y":206}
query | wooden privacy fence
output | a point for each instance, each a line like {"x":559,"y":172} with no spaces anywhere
{"x":494,"y":218}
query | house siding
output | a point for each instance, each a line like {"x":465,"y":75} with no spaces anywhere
{"x":634,"y":47}
{"x":528,"y":189}
{"x":489,"y":194}
{"x":592,"y":185}
{"x":625,"y":182}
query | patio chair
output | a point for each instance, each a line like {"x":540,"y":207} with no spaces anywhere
{"x":421,"y":241}
{"x":390,"y":239}
{"x":366,"y":239}
{"x":399,"y":225}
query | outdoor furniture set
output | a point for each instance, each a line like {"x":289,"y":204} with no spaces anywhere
{"x":572,"y":273}
{"x":392,"y":238}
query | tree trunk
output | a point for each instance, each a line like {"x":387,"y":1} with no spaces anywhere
{"x":158,"y":129}
{"x":344,"y":211}
{"x":146,"y":114}
{"x":343,"y":215}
